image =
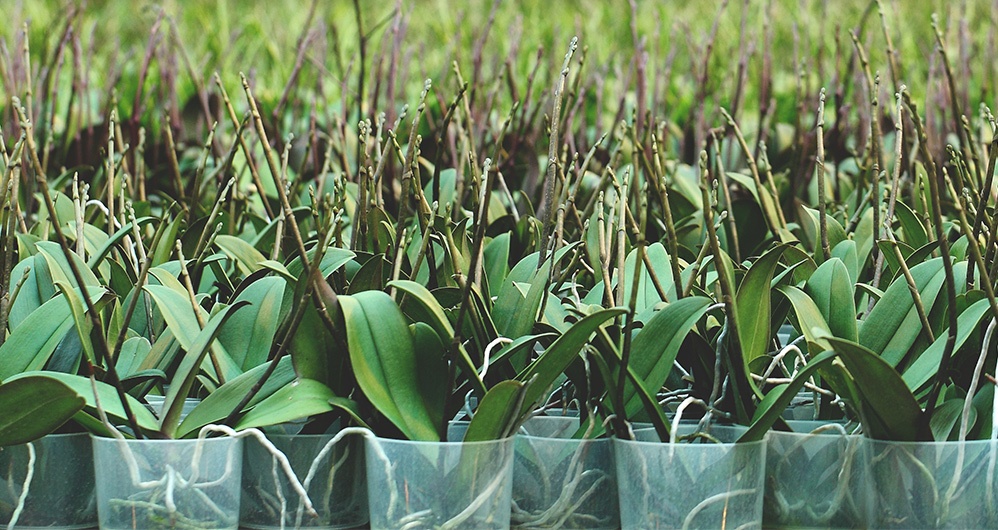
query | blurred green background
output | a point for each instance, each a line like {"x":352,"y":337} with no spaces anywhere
{"x":261,"y":39}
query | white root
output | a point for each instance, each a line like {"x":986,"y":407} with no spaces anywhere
{"x":28,"y":476}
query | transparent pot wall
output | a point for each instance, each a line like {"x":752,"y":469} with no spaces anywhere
{"x":815,"y":479}
{"x":690,"y":485}
{"x":154,"y":484}
{"x":561,"y":481}
{"x":439,"y":484}
{"x":933,"y":484}
{"x":60,"y":493}
{"x":334,"y":476}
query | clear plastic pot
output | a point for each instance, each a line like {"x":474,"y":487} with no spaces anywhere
{"x":815,"y":477}
{"x":60,"y":493}
{"x":933,"y":484}
{"x":156,"y":404}
{"x":439,"y":484}
{"x":336,"y":484}
{"x":180,"y":484}
{"x":690,"y":485}
{"x":561,"y":481}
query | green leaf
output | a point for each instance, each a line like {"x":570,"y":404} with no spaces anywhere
{"x":81,"y":322}
{"x":31,"y":407}
{"x":847,"y":252}
{"x":647,"y":294}
{"x":248,"y":335}
{"x":496,"y":260}
{"x":654,"y":348}
{"x":515,"y":314}
{"x":543,"y":372}
{"x":30,"y":346}
{"x":217,"y":406}
{"x":778,"y":399}
{"x":893,"y":325}
{"x":177,"y":311}
{"x":37,"y":288}
{"x":809,"y":317}
{"x":165,"y":248}
{"x":133,"y":353}
{"x":189,"y":367}
{"x":923,"y":368}
{"x":441,"y":324}
{"x":84,"y":388}
{"x":59,"y":268}
{"x":888,"y":409}
{"x":385,"y":365}
{"x":100,"y":253}
{"x":753,"y":311}
{"x":496,"y":415}
{"x":247,"y":258}
{"x":913,"y":232}
{"x":332,"y":259}
{"x":830,"y":287}
{"x":297,"y":400}
{"x":945,"y":420}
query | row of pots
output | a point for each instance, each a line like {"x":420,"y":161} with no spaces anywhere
{"x":820,"y":477}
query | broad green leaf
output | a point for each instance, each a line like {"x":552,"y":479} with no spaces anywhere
{"x":543,"y":372}
{"x":247,"y":258}
{"x":923,"y":368}
{"x":945,"y":420}
{"x":297,"y":400}
{"x":248,"y":335}
{"x":847,"y":252}
{"x":647,"y":293}
{"x":106,"y":393}
{"x":217,"y":406}
{"x":165,"y":248}
{"x":179,"y":315}
{"x":189,"y":367}
{"x":654,"y":348}
{"x":831,"y":289}
{"x":496,"y":415}
{"x":778,"y":399}
{"x":888,"y":409}
{"x":496,"y":260}
{"x":37,"y":288}
{"x":515,"y":314}
{"x":31,"y":345}
{"x":81,"y":322}
{"x":385,"y":365}
{"x":893,"y":325}
{"x":133,"y":351}
{"x":332,"y":259}
{"x":752,"y":308}
{"x":809,"y":219}
{"x":913,"y":232}
{"x":809,"y":317}
{"x":60,"y":269}
{"x":31,"y":407}
{"x":441,"y":325}
{"x":101,"y":252}
{"x":279,"y":268}
{"x":431,"y":356}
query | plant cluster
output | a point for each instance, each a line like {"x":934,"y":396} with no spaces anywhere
{"x":610,"y":233}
